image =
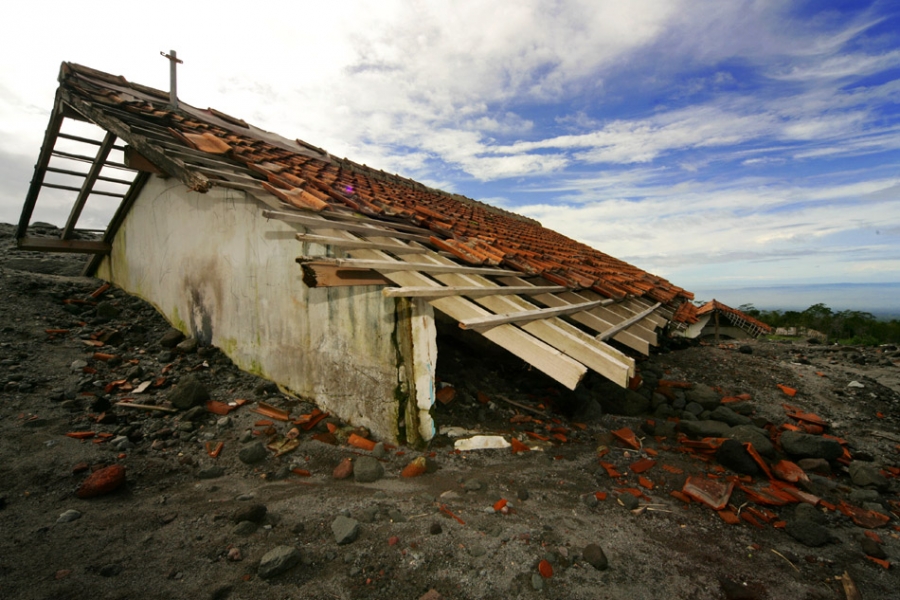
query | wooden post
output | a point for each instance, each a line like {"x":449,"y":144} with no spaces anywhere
{"x":174,"y":61}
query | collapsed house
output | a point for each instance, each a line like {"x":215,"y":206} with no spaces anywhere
{"x":212,"y":216}
{"x":717,"y":320}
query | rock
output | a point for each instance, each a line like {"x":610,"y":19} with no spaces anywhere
{"x":252,"y":453}
{"x":367,"y":469}
{"x":78,"y":365}
{"x":804,"y":445}
{"x":108,"y":310}
{"x":734,"y":590}
{"x":278,"y":560}
{"x":628,"y":501}
{"x":867,"y":475}
{"x":754,"y":435}
{"x":808,"y":533}
{"x":856,"y":385}
{"x":703,"y":395}
{"x":476,"y":550}
{"x":266,"y":388}
{"x":815,"y":465}
{"x":344,"y":469}
{"x":523,"y":494}
{"x":345,"y":529}
{"x":733,"y":455}
{"x":166,"y":356}
{"x":245,"y":528}
{"x":473,"y":485}
{"x":171,"y":338}
{"x":537,"y":582}
{"x":254,"y":513}
{"x":745,"y":349}
{"x":68,"y":516}
{"x":862,"y":496}
{"x":379,"y":451}
{"x":872,"y":548}
{"x":211,"y":472}
{"x":189,"y":392}
{"x":808,"y":512}
{"x":619,"y":401}
{"x":435,"y":529}
{"x":431,"y":594}
{"x":593,"y":554}
{"x":726,"y":415}
{"x":702,"y":429}
{"x":110,"y":570}
{"x":187,"y":346}
{"x":692,"y":408}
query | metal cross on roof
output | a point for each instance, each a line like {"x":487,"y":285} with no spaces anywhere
{"x":173,"y":79}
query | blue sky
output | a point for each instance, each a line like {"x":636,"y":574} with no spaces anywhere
{"x":718,"y":144}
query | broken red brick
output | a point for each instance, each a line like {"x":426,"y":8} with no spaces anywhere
{"x":518,"y":446}
{"x":643,"y":465}
{"x":361,"y":442}
{"x":728,"y":516}
{"x":267,"y":410}
{"x":344,"y":469}
{"x":673,"y":470}
{"x":788,"y":471}
{"x":414,"y":468}
{"x":610,"y":469}
{"x":714,"y":493}
{"x":218,"y":408}
{"x":683,"y":385}
{"x":600,"y":496}
{"x":627,"y":437}
{"x":214,"y":449}
{"x":681,"y":496}
{"x":446,"y":394}
{"x":880,"y":562}
{"x":751,"y":519}
{"x":102,"y":481}
{"x":645,"y":483}
{"x":301,"y":472}
{"x":483,"y":398}
{"x":787,"y":390}
{"x":545,"y":569}
{"x":500,"y":504}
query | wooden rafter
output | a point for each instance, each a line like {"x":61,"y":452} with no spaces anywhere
{"x":529,"y":315}
{"x":470,"y":291}
{"x":390,"y":266}
{"x":88,"y":184}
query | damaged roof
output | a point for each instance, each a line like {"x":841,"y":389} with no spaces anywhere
{"x":740,"y":319}
{"x":369,"y":213}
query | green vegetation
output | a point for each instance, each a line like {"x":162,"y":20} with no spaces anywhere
{"x":850,"y":327}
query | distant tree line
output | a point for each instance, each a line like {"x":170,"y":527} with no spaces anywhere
{"x":852,"y":327}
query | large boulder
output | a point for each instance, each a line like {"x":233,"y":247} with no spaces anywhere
{"x":189,"y":392}
{"x":703,"y":395}
{"x":702,"y":429}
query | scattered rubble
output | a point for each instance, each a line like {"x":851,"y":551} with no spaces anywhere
{"x":707,"y":480}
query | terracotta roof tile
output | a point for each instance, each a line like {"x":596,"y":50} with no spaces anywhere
{"x":307,"y":177}
{"x":714,"y":305}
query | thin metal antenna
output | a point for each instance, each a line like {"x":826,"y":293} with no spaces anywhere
{"x":174,"y":61}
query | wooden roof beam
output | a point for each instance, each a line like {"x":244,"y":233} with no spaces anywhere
{"x":88,"y":184}
{"x":468,"y":291}
{"x":391,"y":266}
{"x":529,"y":315}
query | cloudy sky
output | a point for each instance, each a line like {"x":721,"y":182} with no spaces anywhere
{"x":719,"y":144}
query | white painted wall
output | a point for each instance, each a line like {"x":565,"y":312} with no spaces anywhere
{"x":220,"y":271}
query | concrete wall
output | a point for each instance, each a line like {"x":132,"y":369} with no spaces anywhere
{"x":221,"y":272}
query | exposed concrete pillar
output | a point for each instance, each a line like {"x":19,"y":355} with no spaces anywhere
{"x":417,"y":348}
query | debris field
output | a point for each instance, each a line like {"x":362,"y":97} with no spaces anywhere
{"x":136,"y":463}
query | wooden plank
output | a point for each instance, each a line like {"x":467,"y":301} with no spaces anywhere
{"x":58,"y":245}
{"x":321,"y":223}
{"x":554,"y":331}
{"x":40,"y":168}
{"x":627,"y":323}
{"x":331,"y":276}
{"x":390,"y":265}
{"x":173,"y":166}
{"x":527,"y":315}
{"x":87,"y":159}
{"x":80,"y":174}
{"x":540,"y":355}
{"x":338,"y":242}
{"x":70,"y":188}
{"x":640,"y":305}
{"x":615,"y":314}
{"x":590,"y":319}
{"x":469,"y":292}
{"x":88,"y":184}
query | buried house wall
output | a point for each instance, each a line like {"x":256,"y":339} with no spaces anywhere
{"x":218,"y":270}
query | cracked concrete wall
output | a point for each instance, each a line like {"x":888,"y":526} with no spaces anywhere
{"x":220,"y":271}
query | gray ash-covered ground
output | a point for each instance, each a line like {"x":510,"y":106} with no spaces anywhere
{"x":187,"y":525}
